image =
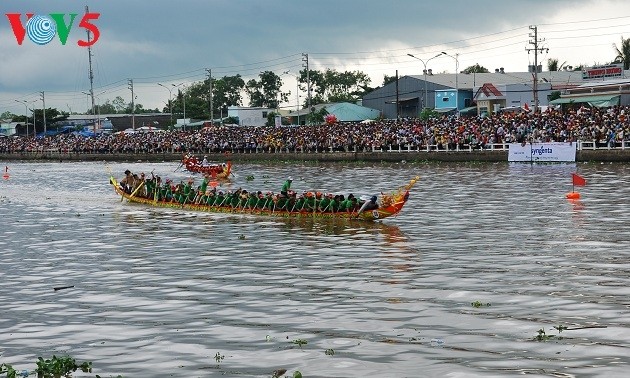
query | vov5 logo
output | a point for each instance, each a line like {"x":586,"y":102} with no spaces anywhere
{"x":41,"y":29}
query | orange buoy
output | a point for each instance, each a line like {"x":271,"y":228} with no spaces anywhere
{"x":5,"y":176}
{"x":573,"y":195}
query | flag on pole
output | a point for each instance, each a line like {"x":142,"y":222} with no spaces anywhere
{"x":578,"y":180}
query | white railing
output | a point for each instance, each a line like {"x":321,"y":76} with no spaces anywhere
{"x":592,"y":145}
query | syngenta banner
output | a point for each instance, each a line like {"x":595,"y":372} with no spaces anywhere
{"x":542,"y":152}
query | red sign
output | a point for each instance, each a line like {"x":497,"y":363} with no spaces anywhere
{"x":604,"y":71}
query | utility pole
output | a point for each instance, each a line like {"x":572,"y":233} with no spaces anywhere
{"x":397,"y":99}
{"x":211,"y":106}
{"x":133,"y":105}
{"x":44,"y":110}
{"x":308,"y":87}
{"x":536,"y":50}
{"x":90,"y":72}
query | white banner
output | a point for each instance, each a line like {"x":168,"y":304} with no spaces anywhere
{"x":542,"y":152}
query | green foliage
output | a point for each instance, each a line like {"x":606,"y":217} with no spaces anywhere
{"x":7,"y":115}
{"x":226,"y":91}
{"x":316,"y":118}
{"x":477,"y":304}
{"x":297,"y":374}
{"x":623,"y":53}
{"x":543,"y":336}
{"x":271,"y":119}
{"x":560,"y":328}
{"x":8,"y":370}
{"x":553,"y":95}
{"x":553,"y":64}
{"x":266,"y":91}
{"x":329,"y":352}
{"x":300,"y":342}
{"x":428,"y":113}
{"x":388,"y":79}
{"x":55,"y":367}
{"x":60,"y":366}
{"x":476,"y":68}
{"x":218,"y":357}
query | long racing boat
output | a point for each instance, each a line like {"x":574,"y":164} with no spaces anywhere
{"x":193,"y":164}
{"x":310,"y":204}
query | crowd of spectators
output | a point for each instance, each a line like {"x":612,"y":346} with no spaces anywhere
{"x":603,"y":126}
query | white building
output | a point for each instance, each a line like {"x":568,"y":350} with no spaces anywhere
{"x":249,"y":116}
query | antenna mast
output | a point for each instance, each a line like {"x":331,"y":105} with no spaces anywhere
{"x":91,"y":74}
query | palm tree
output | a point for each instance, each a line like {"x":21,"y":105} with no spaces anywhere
{"x":623,"y":53}
{"x":552,"y":64}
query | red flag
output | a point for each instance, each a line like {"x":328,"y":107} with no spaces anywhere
{"x":526,"y":106}
{"x":578,"y":180}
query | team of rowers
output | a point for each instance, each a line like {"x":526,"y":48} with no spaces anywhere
{"x":207,"y":194}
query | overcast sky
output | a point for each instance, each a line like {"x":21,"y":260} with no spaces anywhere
{"x":176,"y":41}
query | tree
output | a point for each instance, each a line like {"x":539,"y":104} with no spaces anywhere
{"x":315,"y":118}
{"x":105,"y":108}
{"x":553,"y":96}
{"x":120,"y":105}
{"x":475,"y":68}
{"x":226,"y":91}
{"x":52,"y":116}
{"x":347,"y":86}
{"x":7,"y":116}
{"x":266,"y":92}
{"x":623,"y":53}
{"x":318,"y":86}
{"x":552,"y":65}
{"x":334,"y":86}
{"x":388,"y":79}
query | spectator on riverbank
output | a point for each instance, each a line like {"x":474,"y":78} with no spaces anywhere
{"x":602,"y":126}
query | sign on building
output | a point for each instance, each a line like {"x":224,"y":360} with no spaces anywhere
{"x":600,"y":72}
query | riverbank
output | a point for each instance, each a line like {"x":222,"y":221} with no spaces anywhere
{"x":600,"y":155}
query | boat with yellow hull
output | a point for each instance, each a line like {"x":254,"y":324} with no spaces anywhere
{"x":388,"y":204}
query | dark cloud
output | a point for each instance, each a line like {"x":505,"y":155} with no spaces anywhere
{"x":162,"y":40}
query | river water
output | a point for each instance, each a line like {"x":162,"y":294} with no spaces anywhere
{"x":166,"y":292}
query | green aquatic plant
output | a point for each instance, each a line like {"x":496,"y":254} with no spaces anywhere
{"x":218,"y":357}
{"x":477,"y":304}
{"x":300,"y":342}
{"x":54,"y":367}
{"x":329,"y":352}
{"x":249,"y":178}
{"x":542,"y":336}
{"x":8,"y":370}
{"x":60,"y":366}
{"x":560,"y":328}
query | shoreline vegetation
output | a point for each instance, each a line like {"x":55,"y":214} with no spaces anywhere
{"x":600,"y":155}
